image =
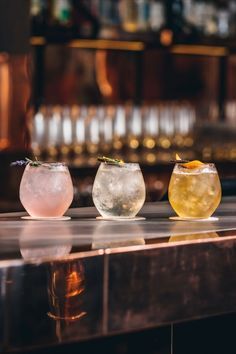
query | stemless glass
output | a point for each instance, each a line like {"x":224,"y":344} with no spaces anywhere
{"x":195,"y":192}
{"x":46,"y":190}
{"x":119,"y":191}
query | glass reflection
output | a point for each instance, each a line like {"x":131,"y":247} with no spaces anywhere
{"x":65,"y":280}
{"x":38,"y":242}
{"x":178,"y":231}
{"x":66,"y":284}
{"x":192,"y":237}
{"x":112,"y":235}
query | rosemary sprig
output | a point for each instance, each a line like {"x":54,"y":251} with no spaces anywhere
{"x":35,"y":163}
{"x":110,"y":161}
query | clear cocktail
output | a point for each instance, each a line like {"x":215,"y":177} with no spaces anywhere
{"x":119,"y":190}
{"x":46,"y":190}
{"x":194,"y":192}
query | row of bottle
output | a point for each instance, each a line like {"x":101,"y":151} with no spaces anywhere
{"x":147,"y":134}
{"x":62,"y":19}
{"x":86,"y":132}
{"x":173,"y":20}
{"x":212,"y":18}
{"x":202,"y":17}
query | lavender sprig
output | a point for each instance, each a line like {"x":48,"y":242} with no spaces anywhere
{"x":27,"y":161}
{"x":19,"y":163}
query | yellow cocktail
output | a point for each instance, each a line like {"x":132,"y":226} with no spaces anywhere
{"x":194,"y":190}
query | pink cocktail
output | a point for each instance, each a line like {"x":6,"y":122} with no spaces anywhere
{"x":46,"y":190}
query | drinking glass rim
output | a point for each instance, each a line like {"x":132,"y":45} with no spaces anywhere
{"x":209,"y":165}
{"x":48,"y":165}
{"x":127,"y":165}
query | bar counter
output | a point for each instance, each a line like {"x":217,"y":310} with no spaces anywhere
{"x":152,"y":285}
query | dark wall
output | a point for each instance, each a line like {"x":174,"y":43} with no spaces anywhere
{"x":14,"y":26}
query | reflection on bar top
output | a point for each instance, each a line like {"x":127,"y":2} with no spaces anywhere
{"x":84,"y":236}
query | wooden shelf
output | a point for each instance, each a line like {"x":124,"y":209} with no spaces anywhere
{"x":93,"y":44}
{"x":203,"y":50}
{"x":138,"y":46}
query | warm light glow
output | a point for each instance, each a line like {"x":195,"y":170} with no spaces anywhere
{"x":149,"y":143}
{"x":4,"y":101}
{"x":92,"y":148}
{"x":151,"y":158}
{"x":117,"y":144}
{"x":52,"y":151}
{"x":75,"y":284}
{"x":37,"y":41}
{"x":69,"y":318}
{"x":101,"y":73}
{"x":65,"y":150}
{"x":166,"y":37}
{"x":78,"y":149}
{"x":165,"y":143}
{"x":188,"y":142}
{"x":107,"y":44}
{"x":134,"y":143}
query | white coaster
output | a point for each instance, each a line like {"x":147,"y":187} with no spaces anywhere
{"x":50,"y":218}
{"x":178,"y":218}
{"x":120,"y":218}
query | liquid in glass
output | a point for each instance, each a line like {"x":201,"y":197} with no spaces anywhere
{"x":119,"y":191}
{"x":194,"y":193}
{"x":46,"y":190}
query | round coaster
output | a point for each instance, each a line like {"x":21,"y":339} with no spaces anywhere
{"x":50,"y":218}
{"x":178,"y":218}
{"x":120,"y":219}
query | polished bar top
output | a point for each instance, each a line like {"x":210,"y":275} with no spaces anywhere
{"x":67,"y":281}
{"x":31,"y":240}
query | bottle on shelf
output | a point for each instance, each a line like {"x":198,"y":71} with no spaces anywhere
{"x":128,"y":15}
{"x":210,"y":23}
{"x":214,"y":19}
{"x":38,"y":15}
{"x":176,"y":28}
{"x":199,"y":15}
{"x":156,"y":15}
{"x":175,"y":21}
{"x":134,"y":15}
{"x":108,"y":14}
{"x":232,"y":11}
{"x":60,"y":24}
{"x":86,"y":18}
{"x":62,"y":20}
{"x":223,"y":20}
{"x":143,"y":8}
{"x":61,"y":12}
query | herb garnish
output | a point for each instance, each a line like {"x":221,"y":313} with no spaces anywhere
{"x":110,"y":161}
{"x":27,"y":161}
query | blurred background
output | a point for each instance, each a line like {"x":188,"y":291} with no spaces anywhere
{"x":139,"y":80}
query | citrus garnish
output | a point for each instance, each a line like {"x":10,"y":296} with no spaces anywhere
{"x":177,"y":157}
{"x":187,"y":164}
{"x":192,"y":164}
{"x":178,"y":160}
